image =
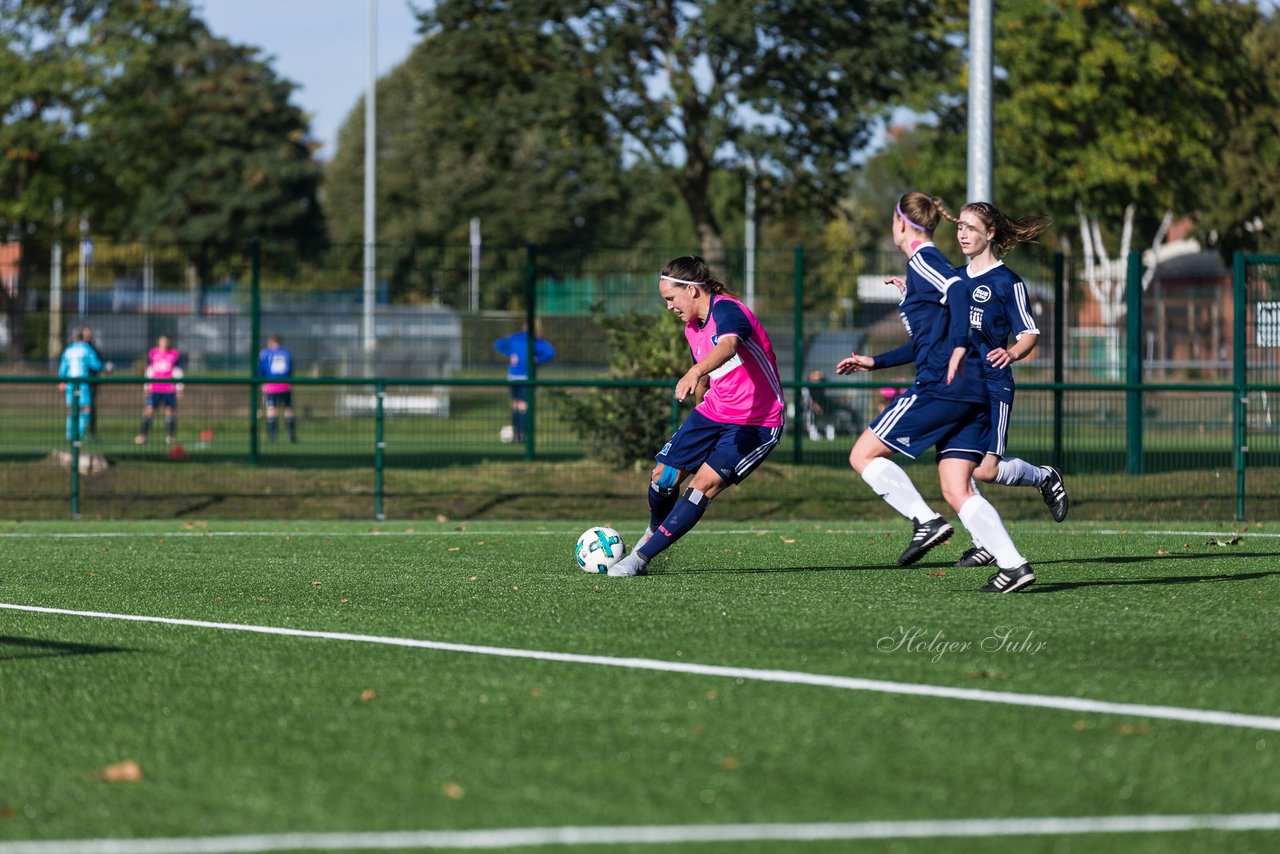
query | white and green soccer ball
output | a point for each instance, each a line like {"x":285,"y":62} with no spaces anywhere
{"x":598,"y":549}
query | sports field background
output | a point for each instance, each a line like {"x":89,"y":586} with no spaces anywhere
{"x":237,"y":732}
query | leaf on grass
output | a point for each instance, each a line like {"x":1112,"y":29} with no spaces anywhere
{"x":367,"y":694}
{"x":786,"y":540}
{"x":454,"y":549}
{"x":6,"y":812}
{"x":440,"y":517}
{"x":125,"y":771}
{"x":1161,"y":552}
{"x":474,"y":577}
{"x":938,"y":574}
{"x":315,"y":584}
{"x":730,"y":763}
{"x":1079,"y":726}
{"x":1234,"y":539}
{"x":344,"y":601}
{"x":1131,"y":729}
{"x":452,"y":791}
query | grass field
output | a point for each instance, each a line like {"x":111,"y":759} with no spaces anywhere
{"x":769,"y":688}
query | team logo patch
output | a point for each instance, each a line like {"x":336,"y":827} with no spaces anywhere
{"x":981,"y":293}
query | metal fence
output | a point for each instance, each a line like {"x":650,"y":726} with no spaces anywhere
{"x":1140,"y":408}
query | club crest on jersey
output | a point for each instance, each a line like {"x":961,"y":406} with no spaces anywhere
{"x":981,"y":293}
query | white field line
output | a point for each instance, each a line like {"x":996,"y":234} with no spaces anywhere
{"x":652,"y":834}
{"x":506,"y":532}
{"x":847,"y":683}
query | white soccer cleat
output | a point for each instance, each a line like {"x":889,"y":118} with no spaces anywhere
{"x":630,"y":566}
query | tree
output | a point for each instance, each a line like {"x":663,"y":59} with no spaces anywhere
{"x":131,"y":112}
{"x":792,"y":87}
{"x":482,"y":120}
{"x":1107,"y":116}
{"x":1243,"y":207}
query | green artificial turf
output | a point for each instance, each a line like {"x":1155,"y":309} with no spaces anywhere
{"x":249,"y":733}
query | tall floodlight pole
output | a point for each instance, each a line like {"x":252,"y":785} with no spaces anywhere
{"x":370,"y":235}
{"x":55,"y":284}
{"x":981,"y":65}
{"x":749,"y":239}
{"x":475,"y":265}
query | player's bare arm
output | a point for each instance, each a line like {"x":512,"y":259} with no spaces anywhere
{"x":1001,"y":358}
{"x":953,"y":367}
{"x":853,"y":363}
{"x":725,"y":350}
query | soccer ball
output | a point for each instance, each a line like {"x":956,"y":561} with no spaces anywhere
{"x":598,"y":549}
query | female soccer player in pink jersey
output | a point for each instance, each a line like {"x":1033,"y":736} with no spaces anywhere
{"x":739,"y":414}
{"x":163,"y":391}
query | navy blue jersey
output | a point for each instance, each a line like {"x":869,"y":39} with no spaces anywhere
{"x":929,"y":319}
{"x":995,"y":301}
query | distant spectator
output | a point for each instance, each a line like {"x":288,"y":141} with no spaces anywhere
{"x":275,"y":363}
{"x":516,"y":348}
{"x":79,"y":360}
{"x":813,"y":398}
{"x":163,"y":392}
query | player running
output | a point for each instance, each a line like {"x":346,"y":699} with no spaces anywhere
{"x":951,"y":416}
{"x":738,"y":418}
{"x":995,"y":300}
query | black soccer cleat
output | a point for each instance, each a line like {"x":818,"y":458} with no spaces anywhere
{"x":926,"y":536}
{"x":1054,"y":491}
{"x":1010,"y":580}
{"x":976,"y":556}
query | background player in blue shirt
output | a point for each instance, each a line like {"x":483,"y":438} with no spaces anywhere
{"x":516,"y":348}
{"x":949,"y":415}
{"x":79,"y":360}
{"x":275,"y":364}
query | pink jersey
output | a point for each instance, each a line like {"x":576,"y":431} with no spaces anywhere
{"x":160,"y":366}
{"x":746,"y":389}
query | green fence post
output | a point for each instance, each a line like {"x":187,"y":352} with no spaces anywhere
{"x":1133,"y":361}
{"x":797,"y":312}
{"x":1059,"y":350}
{"x":379,"y":449}
{"x":255,"y":333}
{"x":75,"y":450}
{"x":531,"y":333}
{"x":1240,"y":377}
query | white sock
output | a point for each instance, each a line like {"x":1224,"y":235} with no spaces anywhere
{"x":985,"y":525}
{"x":1016,"y":472}
{"x":891,"y":483}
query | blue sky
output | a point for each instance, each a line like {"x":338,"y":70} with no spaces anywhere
{"x":320,"y":45}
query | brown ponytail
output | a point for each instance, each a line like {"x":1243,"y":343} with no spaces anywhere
{"x":1008,"y":231}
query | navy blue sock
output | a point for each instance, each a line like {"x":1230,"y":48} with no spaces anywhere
{"x":688,"y":510}
{"x":660,"y":505}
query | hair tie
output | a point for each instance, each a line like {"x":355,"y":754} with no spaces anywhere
{"x":916,"y":226}
{"x":681,"y":281}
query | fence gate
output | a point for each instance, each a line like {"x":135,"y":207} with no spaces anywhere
{"x":1256,"y":351}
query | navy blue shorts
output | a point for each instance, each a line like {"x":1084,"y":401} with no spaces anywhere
{"x":282,"y":399}
{"x":1000,"y":395}
{"x":733,"y":450}
{"x":160,"y":399}
{"x":917,"y":421}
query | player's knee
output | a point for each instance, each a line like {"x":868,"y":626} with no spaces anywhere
{"x":986,"y":472}
{"x":665,"y":479}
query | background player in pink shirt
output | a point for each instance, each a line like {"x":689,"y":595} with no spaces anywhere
{"x":739,"y":414}
{"x":163,"y":391}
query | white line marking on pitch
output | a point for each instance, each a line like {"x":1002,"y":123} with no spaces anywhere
{"x":848,"y":683}
{"x":652,"y":834}
{"x":86,"y":535}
